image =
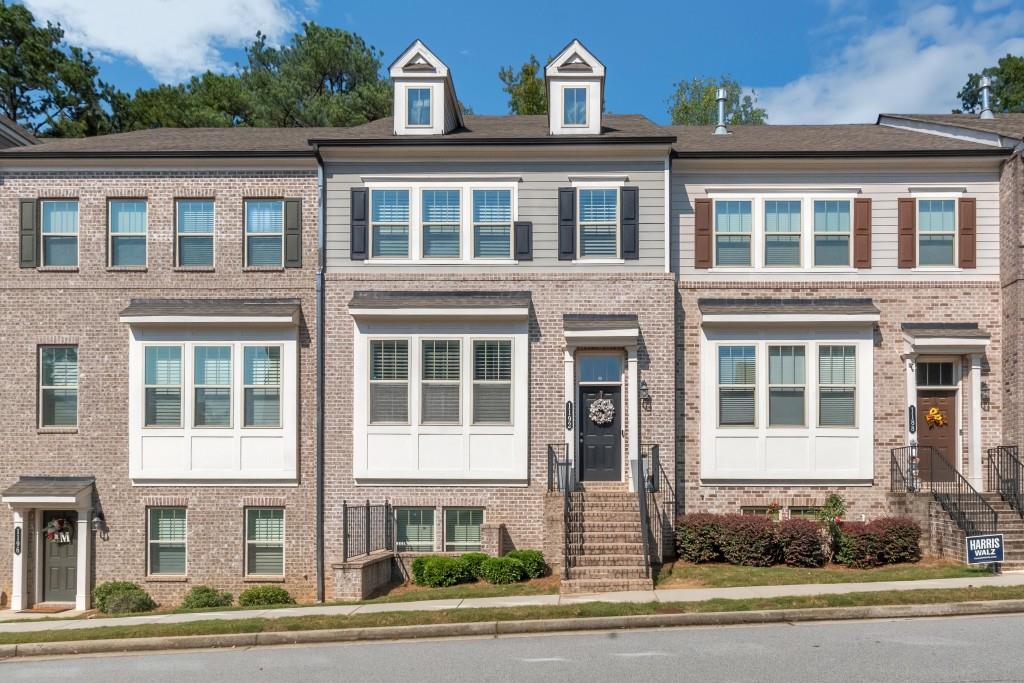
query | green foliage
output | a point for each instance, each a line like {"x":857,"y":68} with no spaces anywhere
{"x":501,"y":570}
{"x":802,"y":543}
{"x":205,"y":597}
{"x":1007,"y":87}
{"x":265,"y":595}
{"x":750,"y":540}
{"x":693,"y":103}
{"x":886,"y":540}
{"x":472,"y":562}
{"x":121,"y":597}
{"x":900,"y":538}
{"x":527,"y":93}
{"x":859,"y":546}
{"x":533,"y":562}
{"x":438,"y":571}
{"x":697,"y":537}
{"x":831,"y":514}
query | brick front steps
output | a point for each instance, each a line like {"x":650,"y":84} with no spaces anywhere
{"x":606,"y":549}
{"x":1011,"y":526}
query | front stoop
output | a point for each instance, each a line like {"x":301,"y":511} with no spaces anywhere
{"x":606,"y":549}
{"x":1011,"y":526}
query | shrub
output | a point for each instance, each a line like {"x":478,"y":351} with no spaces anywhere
{"x":265,"y":595}
{"x":120,"y":597}
{"x":750,"y":540}
{"x":472,"y":562}
{"x":204,"y":597}
{"x":859,"y":545}
{"x":801,"y":542}
{"x":830,"y":514}
{"x":418,"y":565}
{"x":438,"y":571}
{"x":698,"y":536}
{"x":533,"y":562}
{"x":899,"y":539}
{"x":502,"y":570}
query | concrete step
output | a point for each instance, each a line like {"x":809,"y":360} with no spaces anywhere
{"x":609,"y":516}
{"x":577,"y":586}
{"x":603,"y":537}
{"x":622,"y":526}
{"x":607,"y":560}
{"x":605,"y":572}
{"x":587,"y":548}
{"x":622,"y":507}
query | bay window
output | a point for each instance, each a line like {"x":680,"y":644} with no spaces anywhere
{"x":786,"y":385}
{"x":733,"y":228}
{"x":262,"y":386}
{"x":837,"y":379}
{"x":936,"y":232}
{"x":163,"y":386}
{"x":389,"y":381}
{"x":212,"y":405}
{"x":832,"y":232}
{"x":441,"y":386}
{"x":492,"y":381}
{"x":737,"y":386}
{"x":598,"y":223}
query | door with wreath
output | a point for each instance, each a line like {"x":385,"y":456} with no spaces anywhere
{"x":937,"y":429}
{"x":600,"y":433}
{"x":60,"y":556}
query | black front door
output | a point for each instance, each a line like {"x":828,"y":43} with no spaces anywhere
{"x":60,"y":559}
{"x":600,"y":440}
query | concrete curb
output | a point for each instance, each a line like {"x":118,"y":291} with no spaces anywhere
{"x":499,"y":628}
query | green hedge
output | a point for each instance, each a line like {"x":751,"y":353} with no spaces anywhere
{"x":205,"y":597}
{"x":122,"y":597}
{"x":258,"y":596}
{"x":533,"y":562}
{"x":501,"y":570}
{"x":439,"y":571}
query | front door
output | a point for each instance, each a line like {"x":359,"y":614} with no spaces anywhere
{"x":936,"y":428}
{"x":60,"y":558}
{"x":600,"y":434}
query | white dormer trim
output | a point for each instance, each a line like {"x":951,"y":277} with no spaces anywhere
{"x":574,"y":67}
{"x":419,"y":68}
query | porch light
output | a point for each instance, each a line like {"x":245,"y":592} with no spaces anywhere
{"x":99,"y":524}
{"x":645,"y":395}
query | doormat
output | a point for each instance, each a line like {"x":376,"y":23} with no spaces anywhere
{"x":47,"y":609}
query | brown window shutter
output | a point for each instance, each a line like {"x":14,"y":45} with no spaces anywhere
{"x":861,"y":232}
{"x":702,"y":233}
{"x":907,"y":245}
{"x":968,"y":233}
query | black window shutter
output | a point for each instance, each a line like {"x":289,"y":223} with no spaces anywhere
{"x":359,"y":223}
{"x":28,"y":235}
{"x":524,"y":240}
{"x":629,"y":222}
{"x":292,"y":233}
{"x":566,"y":223}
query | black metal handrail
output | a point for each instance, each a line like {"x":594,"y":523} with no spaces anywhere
{"x":1006,"y":476}
{"x":645,"y":526}
{"x":562,"y":477}
{"x":903,"y":470}
{"x":958,"y":498}
{"x":365,"y":529}
{"x":660,"y":499}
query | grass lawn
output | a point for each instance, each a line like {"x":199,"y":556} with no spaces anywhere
{"x":593,"y":609}
{"x":720,"y":575}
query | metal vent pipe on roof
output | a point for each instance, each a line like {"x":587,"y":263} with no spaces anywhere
{"x":986,"y":97}
{"x":720,"y":129}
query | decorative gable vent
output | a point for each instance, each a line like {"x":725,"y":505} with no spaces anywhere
{"x":575,"y":86}
{"x":425,"y":101}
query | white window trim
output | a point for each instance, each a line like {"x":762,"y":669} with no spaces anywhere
{"x":756,"y":385}
{"x":433,"y":534}
{"x":465,"y":187}
{"x":755,"y":208}
{"x":150,"y":542}
{"x":424,"y":223}
{"x":42,"y":387}
{"x":586,"y":104}
{"x":617,"y":188}
{"x":408,"y":382}
{"x":441,"y":382}
{"x":43,"y":235}
{"x":765,"y":234}
{"x":444,"y":527}
{"x":819,"y":385}
{"x":785,"y":386}
{"x":178,"y":235}
{"x":284,"y":538}
{"x":246,"y":235}
{"x":473,"y":381}
{"x":230,"y":387}
{"x":430,"y":106}
{"x":955,"y":198}
{"x":111,"y":235}
{"x":182,"y":383}
{"x":244,"y":386}
{"x":848,"y":234}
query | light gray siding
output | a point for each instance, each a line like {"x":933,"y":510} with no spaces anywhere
{"x":537,"y":199}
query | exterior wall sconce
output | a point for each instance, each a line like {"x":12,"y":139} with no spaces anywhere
{"x":645,"y":395}
{"x":99,"y":524}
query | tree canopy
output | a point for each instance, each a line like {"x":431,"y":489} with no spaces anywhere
{"x":527,"y":93}
{"x":694,"y":103}
{"x":1007,"y":87}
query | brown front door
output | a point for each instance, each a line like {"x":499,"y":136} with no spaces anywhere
{"x":60,"y":559}
{"x":938,"y":434}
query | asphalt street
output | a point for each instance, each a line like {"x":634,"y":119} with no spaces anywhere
{"x":952,"y":649}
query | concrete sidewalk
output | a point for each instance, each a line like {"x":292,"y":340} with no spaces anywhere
{"x":659,"y":595}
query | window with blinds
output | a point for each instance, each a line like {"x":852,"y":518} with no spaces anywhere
{"x":782,"y":233}
{"x":59,"y":230}
{"x":737,"y":386}
{"x":936,"y":232}
{"x":492,"y":223}
{"x":264,"y":233}
{"x":786,"y":386}
{"x":832,"y":232}
{"x":441,"y":218}
{"x":264,"y":541}
{"x":414,"y":529}
{"x":837,"y":386}
{"x":194,"y":226}
{"x":389,"y":381}
{"x":58,"y":386}
{"x":492,"y":381}
{"x":127,"y":231}
{"x":212,"y":386}
{"x":598,"y":223}
{"x":261,"y":378}
{"x":462,"y":529}
{"x":168,"y":539}
{"x":440,"y":388}
{"x":163,"y":386}
{"x":733,"y":229}
{"x":389,"y":224}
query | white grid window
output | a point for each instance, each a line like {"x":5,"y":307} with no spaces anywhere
{"x":212,"y":386}
{"x":442,"y":216}
{"x":264,"y":233}
{"x":163,"y":386}
{"x":832,"y":232}
{"x":389,"y":381}
{"x":264,"y":541}
{"x":737,"y":386}
{"x":462,"y":529}
{"x":168,"y":541}
{"x":733,"y":228}
{"x":599,"y":223}
{"x":936,"y":232}
{"x":59,"y":229}
{"x":492,"y":223}
{"x":782,"y":232}
{"x":389,"y":223}
{"x":128,"y":219}
{"x":442,"y":382}
{"x":837,"y":390}
{"x":787,"y":379}
{"x":492,"y":381}
{"x":262,"y":386}
{"x":58,"y":386}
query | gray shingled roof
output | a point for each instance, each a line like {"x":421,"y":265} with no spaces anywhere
{"x":48,"y":486}
{"x":951,"y":330}
{"x":786,"y":306}
{"x":1008,"y":124}
{"x":212,"y":307}
{"x":417,"y":299}
{"x":866,"y":139}
{"x":581,"y":322}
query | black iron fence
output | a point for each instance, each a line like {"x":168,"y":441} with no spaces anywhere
{"x":1006,"y":476}
{"x":642,"y":493}
{"x":562,"y":477}
{"x":903,"y":464}
{"x":366,"y":528}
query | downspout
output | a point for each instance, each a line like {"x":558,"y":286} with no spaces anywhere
{"x":321,"y":307}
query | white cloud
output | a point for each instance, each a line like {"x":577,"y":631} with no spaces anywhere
{"x":172,"y":39}
{"x":989,"y":5}
{"x":914,"y":65}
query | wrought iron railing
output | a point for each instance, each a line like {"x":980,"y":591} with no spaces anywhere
{"x":645,"y":521}
{"x":922,"y":468}
{"x":661,"y":500}
{"x":903,"y":465}
{"x":366,"y":529}
{"x":562,"y":477}
{"x":1006,"y":476}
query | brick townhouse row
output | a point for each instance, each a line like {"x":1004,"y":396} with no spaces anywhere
{"x":221,"y":341}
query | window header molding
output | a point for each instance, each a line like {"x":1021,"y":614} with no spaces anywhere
{"x":440,"y":178}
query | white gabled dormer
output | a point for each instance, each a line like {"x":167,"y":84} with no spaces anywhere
{"x":425,"y":101}
{"x":575,"y":85}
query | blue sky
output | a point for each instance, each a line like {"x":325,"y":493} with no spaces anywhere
{"x":812,"y":61}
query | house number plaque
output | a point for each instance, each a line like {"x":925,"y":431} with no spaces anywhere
{"x":17,"y":540}
{"x":568,"y":416}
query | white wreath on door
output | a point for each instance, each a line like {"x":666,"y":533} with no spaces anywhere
{"x":602,"y":412}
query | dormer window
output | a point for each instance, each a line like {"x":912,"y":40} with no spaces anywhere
{"x":574,"y":107}
{"x":425,"y":101}
{"x":419,"y":106}
{"x":575,"y":86}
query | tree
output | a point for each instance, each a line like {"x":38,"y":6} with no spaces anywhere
{"x":1007,"y":87}
{"x":207,"y":101}
{"x":527,"y":93}
{"x":694,"y":103}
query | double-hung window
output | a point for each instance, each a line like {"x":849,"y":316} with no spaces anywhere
{"x":414,"y":529}
{"x":59,"y":229}
{"x":786,"y":386}
{"x":441,"y":394}
{"x":264,"y":233}
{"x":194,"y":226}
{"x":574,"y":107}
{"x":832,"y":232}
{"x":261,"y":379}
{"x":936,"y":232}
{"x":212,"y":386}
{"x":737,"y":386}
{"x":733,"y":229}
{"x":128,"y":218}
{"x":163,"y":386}
{"x":418,"y":101}
{"x":389,"y":381}
{"x":599,"y":223}
{"x":441,"y":218}
{"x":782,"y":232}
{"x":264,"y":541}
{"x":389,"y":223}
{"x":58,"y":386}
{"x":168,"y":541}
{"x":492,"y":381}
{"x":492,"y":223}
{"x":462,"y":529}
{"x":837,"y":386}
